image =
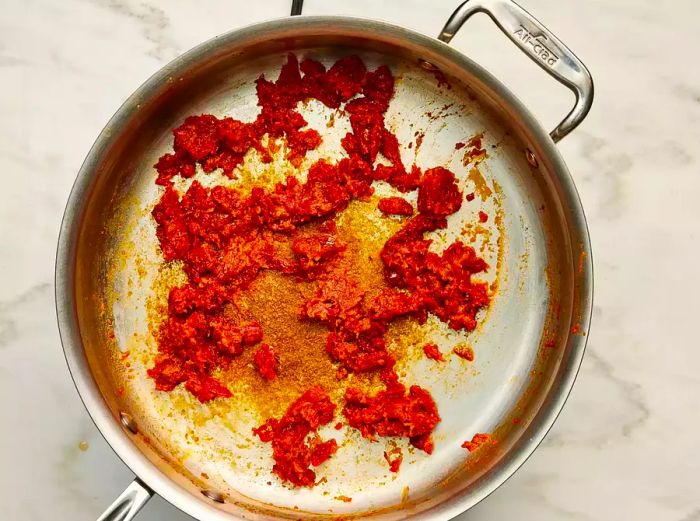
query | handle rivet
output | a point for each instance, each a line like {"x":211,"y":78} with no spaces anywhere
{"x":427,"y":65}
{"x":531,"y":158}
{"x":214,"y":496}
{"x":128,"y":422}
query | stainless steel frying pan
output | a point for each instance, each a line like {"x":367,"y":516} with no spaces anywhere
{"x":203,"y":458}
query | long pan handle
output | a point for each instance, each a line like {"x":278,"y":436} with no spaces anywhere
{"x":535,"y":40}
{"x":297,"y":6}
{"x":540,"y":44}
{"x":128,"y":504}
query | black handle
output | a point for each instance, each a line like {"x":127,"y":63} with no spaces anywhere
{"x":297,"y":6}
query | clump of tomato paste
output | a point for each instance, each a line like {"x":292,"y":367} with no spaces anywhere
{"x":266,"y":362}
{"x":465,"y":352}
{"x":395,"y":206}
{"x":296,"y":444}
{"x":441,"y":282}
{"x":225,"y":239}
{"x":432,"y":351}
{"x":356,"y":323}
{"x":477,"y":441}
{"x":393,"y":412}
{"x":193,"y":346}
{"x":313,"y":253}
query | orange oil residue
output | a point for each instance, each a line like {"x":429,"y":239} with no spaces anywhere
{"x":481,"y":187}
{"x":581,"y":262}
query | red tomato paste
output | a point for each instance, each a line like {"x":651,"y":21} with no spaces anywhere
{"x":225,"y":239}
{"x":296,"y":444}
{"x":395,"y":206}
{"x":477,"y":441}
{"x":393,"y":412}
{"x":433,"y":352}
{"x":266,"y":362}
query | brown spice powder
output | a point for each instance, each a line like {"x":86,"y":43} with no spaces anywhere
{"x":275,"y":299}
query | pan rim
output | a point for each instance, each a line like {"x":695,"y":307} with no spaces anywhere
{"x":72,"y":219}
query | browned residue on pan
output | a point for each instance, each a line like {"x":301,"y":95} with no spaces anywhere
{"x":419,"y":140}
{"x":473,"y":152}
{"x":501,"y":239}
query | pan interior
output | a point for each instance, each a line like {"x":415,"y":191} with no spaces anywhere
{"x":121,"y":281}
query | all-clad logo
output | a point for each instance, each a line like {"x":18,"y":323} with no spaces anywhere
{"x":537,"y":42}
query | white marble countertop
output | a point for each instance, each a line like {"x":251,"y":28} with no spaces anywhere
{"x":626,"y":445}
